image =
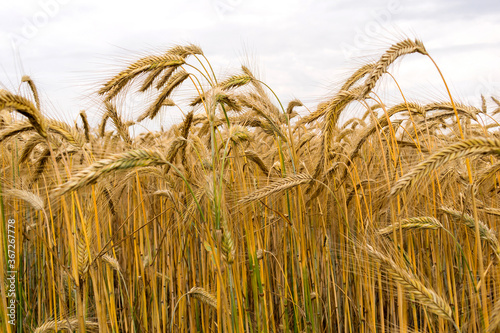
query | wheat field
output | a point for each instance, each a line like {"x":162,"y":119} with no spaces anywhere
{"x":248,"y":216}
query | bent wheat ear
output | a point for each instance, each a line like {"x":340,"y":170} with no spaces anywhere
{"x":203,"y":296}
{"x":33,"y":141}
{"x":67,"y":132}
{"x":166,"y":76}
{"x":86,"y":126}
{"x":358,"y":75}
{"x":278,"y":186}
{"x":32,"y":86}
{"x":70,"y":324}
{"x":397,"y":50}
{"x":150,"y":79}
{"x":470,"y":147}
{"x":14,"y":129}
{"x":424,"y":295}
{"x":102,"y":125}
{"x":172,"y":83}
{"x":29,"y":197}
{"x":332,"y":114}
{"x":26,"y":108}
{"x":186,"y":50}
{"x":121,"y":128}
{"x":117,"y":83}
{"x":128,"y":160}
{"x":235,"y":81}
{"x":423,"y":222}
{"x":292,"y":104}
{"x":252,"y":156}
{"x":485,"y":233}
{"x":467,"y":110}
{"x":112,"y":262}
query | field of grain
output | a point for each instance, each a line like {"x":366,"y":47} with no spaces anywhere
{"x":246,"y":216}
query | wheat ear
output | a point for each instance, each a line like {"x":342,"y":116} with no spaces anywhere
{"x":34,"y":91}
{"x":461,"y":149}
{"x":203,"y":296}
{"x":29,"y":197}
{"x":67,"y":132}
{"x":423,"y":222}
{"x":33,"y":141}
{"x":128,"y":160}
{"x":26,"y":108}
{"x":424,"y":295}
{"x":332,"y":114}
{"x":278,"y":186}
{"x":397,"y":50}
{"x":121,"y":128}
{"x":485,"y":233}
{"x":70,"y":324}
{"x":235,"y":81}
{"x":293,"y":104}
{"x":358,"y":75}
{"x":252,"y":156}
{"x":86,"y":126}
{"x":117,"y":83}
{"x":228,"y":248}
{"x":174,"y":81}
{"x":112,"y":262}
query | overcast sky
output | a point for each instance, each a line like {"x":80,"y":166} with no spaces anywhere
{"x":302,"y":49}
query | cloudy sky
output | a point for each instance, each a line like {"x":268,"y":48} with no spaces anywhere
{"x":301,"y":48}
